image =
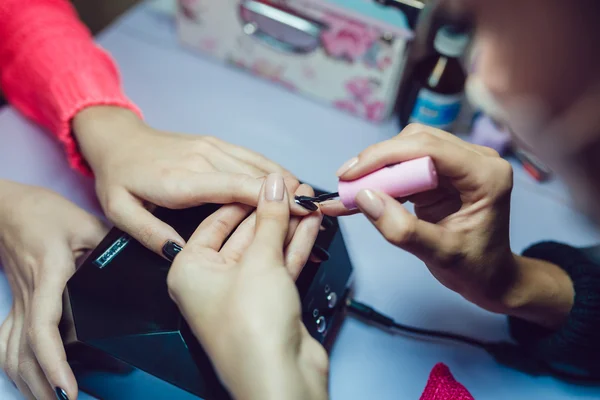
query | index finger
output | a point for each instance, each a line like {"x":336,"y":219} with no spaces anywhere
{"x":460,"y":164}
{"x":186,"y":189}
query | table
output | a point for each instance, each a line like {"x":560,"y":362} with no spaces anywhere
{"x":184,"y":92}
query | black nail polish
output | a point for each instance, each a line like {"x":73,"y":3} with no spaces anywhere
{"x":327,"y":222}
{"x":320,"y":253}
{"x":61,"y":394}
{"x":309,"y":205}
{"x":170,"y":250}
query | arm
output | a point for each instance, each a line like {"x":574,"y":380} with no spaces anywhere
{"x":50,"y":69}
{"x":572,"y":345}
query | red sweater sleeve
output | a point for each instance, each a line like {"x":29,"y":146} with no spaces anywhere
{"x":50,"y":68}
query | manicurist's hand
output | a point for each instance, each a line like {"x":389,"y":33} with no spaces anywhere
{"x":241,"y":302}
{"x":461,"y":229}
{"x":41,"y":235}
{"x":138,"y":167}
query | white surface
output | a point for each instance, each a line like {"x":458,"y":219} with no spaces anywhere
{"x":183,"y":92}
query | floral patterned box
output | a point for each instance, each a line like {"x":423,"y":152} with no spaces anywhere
{"x":346,"y":53}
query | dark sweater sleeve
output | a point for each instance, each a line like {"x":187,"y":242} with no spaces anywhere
{"x":574,"y":348}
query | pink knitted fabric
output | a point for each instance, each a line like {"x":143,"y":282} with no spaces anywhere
{"x":50,"y":68}
{"x":442,"y":386}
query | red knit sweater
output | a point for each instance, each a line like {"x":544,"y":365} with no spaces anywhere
{"x":50,"y":69}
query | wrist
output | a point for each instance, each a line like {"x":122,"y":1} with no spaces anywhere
{"x":542,"y":293}
{"x":98,"y":128}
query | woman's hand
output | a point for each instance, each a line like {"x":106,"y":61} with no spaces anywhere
{"x":137,"y":167}
{"x":41,"y":235}
{"x":241,"y":302}
{"x":461,"y":229}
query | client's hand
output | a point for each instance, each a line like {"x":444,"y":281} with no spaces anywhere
{"x":137,"y":167}
{"x":41,"y":235}
{"x":241,"y":302}
{"x":461,"y":229}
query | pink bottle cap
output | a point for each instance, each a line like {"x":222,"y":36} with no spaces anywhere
{"x":400,"y":180}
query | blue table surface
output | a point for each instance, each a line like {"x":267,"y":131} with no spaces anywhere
{"x":185,"y":92}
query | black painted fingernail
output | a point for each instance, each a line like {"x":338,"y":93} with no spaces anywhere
{"x":307,"y":204}
{"x":170,"y":250}
{"x":61,"y":394}
{"x":327,"y":223}
{"x":320,"y":253}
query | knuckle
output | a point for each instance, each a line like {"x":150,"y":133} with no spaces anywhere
{"x":413,"y":128}
{"x":222,"y":227}
{"x":488,"y":151}
{"x":504,"y":173}
{"x":204,"y":144}
{"x":401,"y":235}
{"x":426,"y":139}
{"x":209,"y":138}
{"x":112,"y":206}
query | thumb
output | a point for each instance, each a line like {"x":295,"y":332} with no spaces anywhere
{"x":272,"y":219}
{"x":427,"y":241}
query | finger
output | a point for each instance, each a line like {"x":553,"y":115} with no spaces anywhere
{"x":335,"y":208}
{"x":12,"y":352}
{"x":299,"y":249}
{"x":241,"y":239}
{"x":185,"y":189}
{"x":214,"y":230}
{"x":129,"y":215}
{"x":251,"y":157}
{"x":43,"y":335}
{"x":464,"y":167}
{"x":303,"y":190}
{"x":272,"y":219}
{"x":32,"y":374}
{"x":413,"y":129}
{"x":5,"y":330}
{"x":425,"y":240}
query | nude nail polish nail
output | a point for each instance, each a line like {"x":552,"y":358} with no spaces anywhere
{"x":274,"y":187}
{"x":347,"y":166}
{"x":370,"y":204}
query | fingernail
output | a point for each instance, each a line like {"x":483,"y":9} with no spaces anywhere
{"x":347,"y":166}
{"x":370,"y":204}
{"x":320,"y":253}
{"x":327,"y":223}
{"x":170,"y":250}
{"x":274,"y":187}
{"x":307,"y":204}
{"x":61,"y":394}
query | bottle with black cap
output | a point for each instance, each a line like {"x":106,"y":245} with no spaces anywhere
{"x":434,"y":93}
